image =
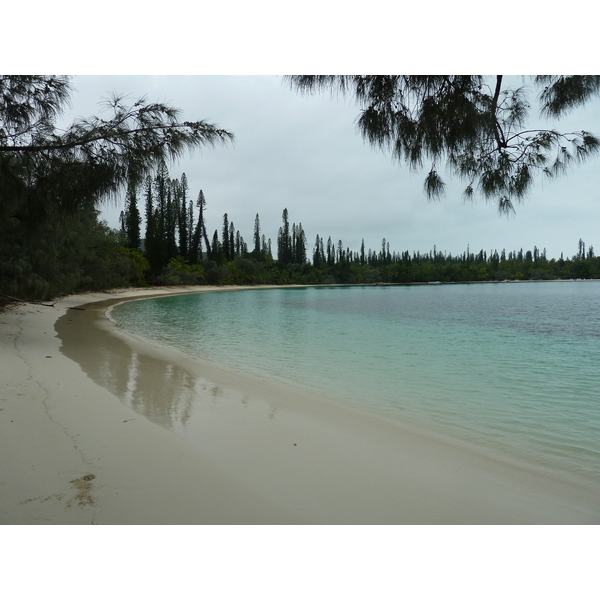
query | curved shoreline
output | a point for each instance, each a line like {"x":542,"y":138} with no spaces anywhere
{"x":262,"y":453}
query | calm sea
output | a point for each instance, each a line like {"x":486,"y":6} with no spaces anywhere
{"x":513,"y":368}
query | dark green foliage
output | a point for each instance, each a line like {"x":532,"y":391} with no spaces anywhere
{"x":181,"y":192}
{"x":299,"y":245}
{"x":63,"y":255}
{"x":180,"y":272}
{"x":199,"y":237}
{"x":471,"y":124}
{"x":225,"y":245}
{"x":284,"y":240}
{"x":257,"y":235}
{"x":131,"y":219}
{"x":138,"y":267}
{"x":216,"y":274}
{"x":52,"y":181}
{"x":216,"y":249}
{"x":318,"y":258}
{"x":233,"y":250}
{"x":563,"y":93}
{"x":93,"y":157}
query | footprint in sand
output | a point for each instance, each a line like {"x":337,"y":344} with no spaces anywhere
{"x":84,"y":487}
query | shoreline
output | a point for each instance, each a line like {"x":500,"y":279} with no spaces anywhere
{"x":96,"y":428}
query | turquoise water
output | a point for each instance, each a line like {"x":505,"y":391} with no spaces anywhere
{"x":511,"y":367}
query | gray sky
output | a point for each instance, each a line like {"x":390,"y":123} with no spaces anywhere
{"x":304,"y":153}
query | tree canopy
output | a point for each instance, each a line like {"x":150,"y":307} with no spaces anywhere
{"x":94,"y":156}
{"x":474,"y":126}
{"x":52,"y":180}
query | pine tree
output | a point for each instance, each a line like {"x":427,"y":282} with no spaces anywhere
{"x":474,"y":125}
{"x":171,"y":220}
{"x":284,"y":240}
{"x":232,"y":251}
{"x":202,"y":220}
{"x":216,"y":250}
{"x":157,"y":249}
{"x":300,"y":247}
{"x":153,"y":243}
{"x":190,"y":225}
{"x":330,"y":252}
{"x":280,"y":245}
{"x":182,"y":217}
{"x":322,"y":251}
{"x":131,"y":218}
{"x":225,"y":238}
{"x":317,"y":253}
{"x":340,"y":252}
{"x":149,"y":204}
{"x":161,"y":183}
{"x":257,"y":235}
{"x":200,"y":230}
{"x":239,"y":244}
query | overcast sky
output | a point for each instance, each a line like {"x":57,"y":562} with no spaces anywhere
{"x":304,"y":153}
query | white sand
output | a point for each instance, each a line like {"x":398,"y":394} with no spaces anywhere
{"x":205,"y":445}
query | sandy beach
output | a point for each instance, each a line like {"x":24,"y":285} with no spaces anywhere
{"x":99,"y":427}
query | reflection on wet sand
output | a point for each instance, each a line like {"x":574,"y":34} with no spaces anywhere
{"x":160,"y":391}
{"x":319,"y":460}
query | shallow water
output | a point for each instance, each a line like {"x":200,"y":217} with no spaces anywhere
{"x":511,"y":368}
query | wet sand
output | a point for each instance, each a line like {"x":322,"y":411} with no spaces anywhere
{"x":97,"y":426}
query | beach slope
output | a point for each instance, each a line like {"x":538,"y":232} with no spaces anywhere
{"x":81,"y":444}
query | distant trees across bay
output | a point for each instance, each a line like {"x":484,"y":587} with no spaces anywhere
{"x":179,"y":250}
{"x":164,"y":239}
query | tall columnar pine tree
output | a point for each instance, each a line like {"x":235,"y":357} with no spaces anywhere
{"x":151,"y":241}
{"x":148,"y":202}
{"x":265,"y":247}
{"x":300,"y":246}
{"x":171,"y":219}
{"x":183,"y":223}
{"x":232,"y":247}
{"x":200,"y":231}
{"x":340,"y":252}
{"x":317,"y":263}
{"x":161,"y":182}
{"x":225,"y":238}
{"x":330,"y":252}
{"x":293,"y":243}
{"x":256,"y":235}
{"x":131,"y":219}
{"x":202,"y":221}
{"x":216,"y":250}
{"x":190,"y":229}
{"x":284,"y":240}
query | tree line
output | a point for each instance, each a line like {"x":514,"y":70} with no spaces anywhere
{"x":177,"y":249}
{"x":164,"y":239}
{"x":52,"y":182}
